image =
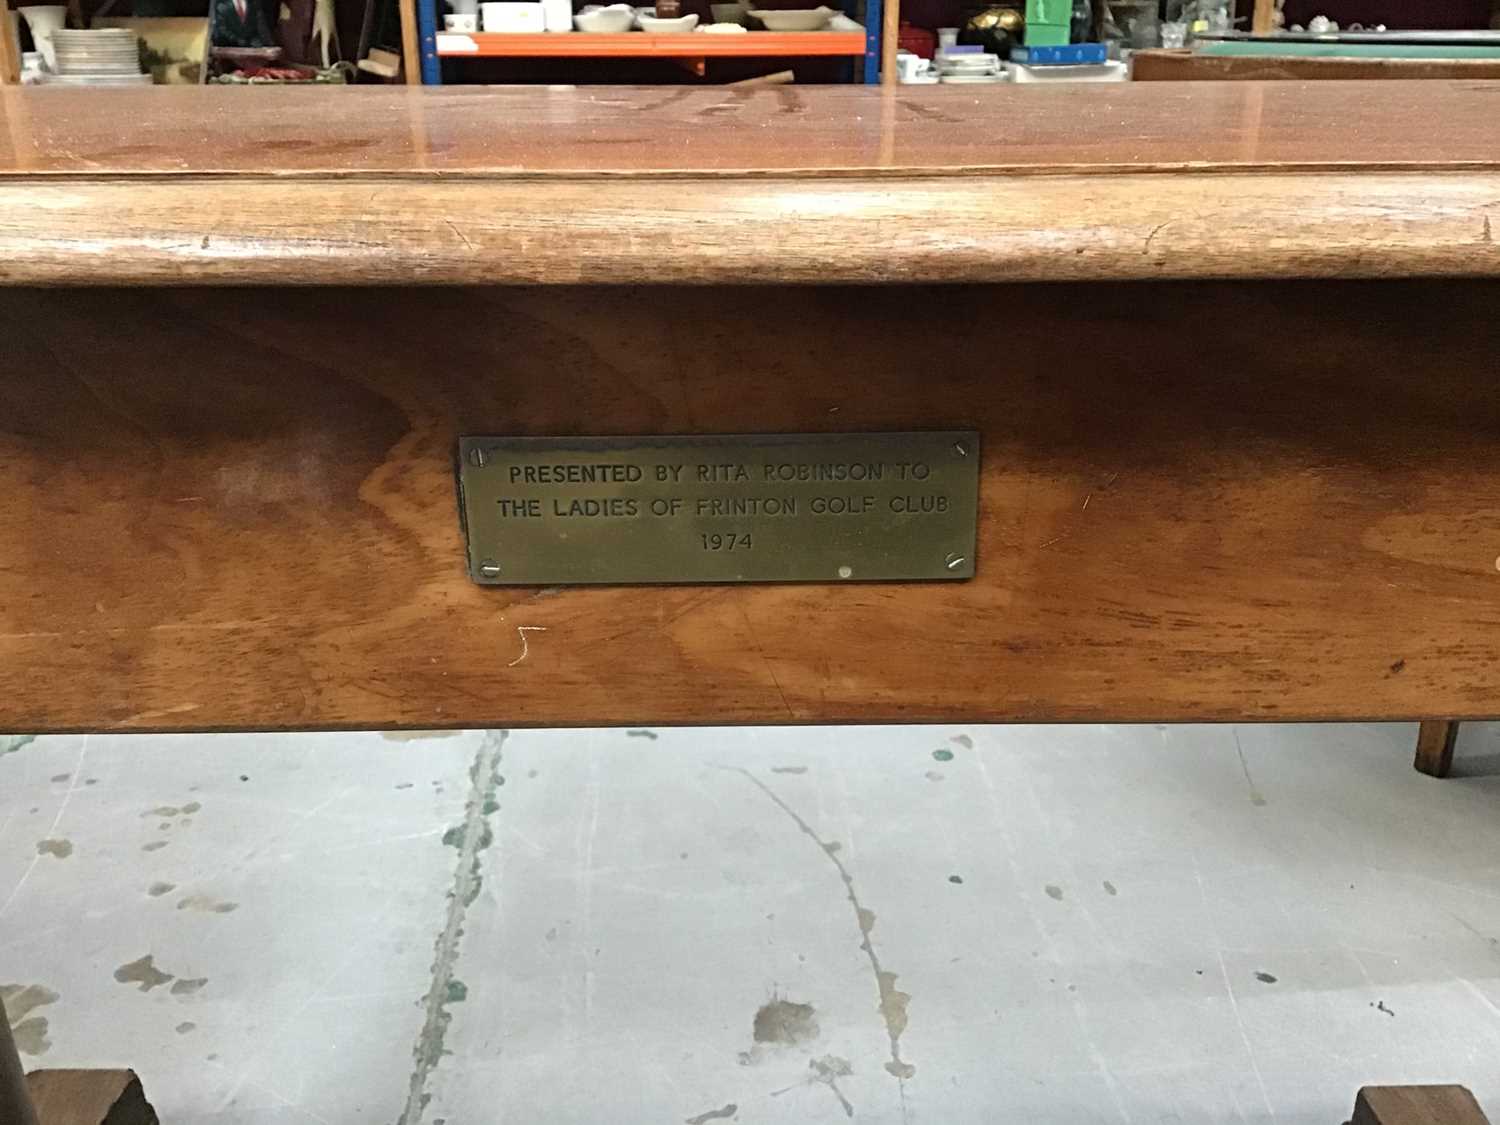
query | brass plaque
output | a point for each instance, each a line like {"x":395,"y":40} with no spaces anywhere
{"x":741,"y":508}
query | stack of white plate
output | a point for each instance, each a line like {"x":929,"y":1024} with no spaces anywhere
{"x":978,"y":68}
{"x":106,"y":57}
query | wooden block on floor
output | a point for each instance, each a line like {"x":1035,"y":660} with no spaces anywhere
{"x":1413,"y":1105}
{"x":89,"y":1097}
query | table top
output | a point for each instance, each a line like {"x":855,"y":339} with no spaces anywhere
{"x":536,"y":184}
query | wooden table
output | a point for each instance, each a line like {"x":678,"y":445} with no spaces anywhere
{"x":1230,"y":349}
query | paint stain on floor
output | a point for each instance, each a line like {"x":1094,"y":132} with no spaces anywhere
{"x":1054,"y":892}
{"x":721,"y":1114}
{"x":156,"y":890}
{"x":29,"y":1031}
{"x":154,"y":845}
{"x":143,"y":971}
{"x":10,"y":743}
{"x":206,"y":904}
{"x":188,"y":985}
{"x":1265,"y":978}
{"x":173,"y":810}
{"x":55,"y":846}
{"x":417,"y":735}
{"x":785,"y":1022}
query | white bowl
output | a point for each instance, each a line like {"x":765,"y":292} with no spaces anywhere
{"x":801,"y":19}
{"x":647,"y":20}
{"x":605,"y":21}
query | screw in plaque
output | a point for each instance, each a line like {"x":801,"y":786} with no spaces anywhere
{"x":476,"y":458}
{"x":846,"y":572}
{"x":961,"y":449}
{"x":489,"y":568}
{"x":954,"y":560}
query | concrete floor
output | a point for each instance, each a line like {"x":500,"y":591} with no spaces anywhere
{"x":1070,"y":924}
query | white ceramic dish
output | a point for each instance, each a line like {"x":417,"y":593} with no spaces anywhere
{"x":968,"y":71}
{"x":512,"y":17}
{"x":646,"y":19}
{"x":605,"y":21}
{"x":801,"y":19}
{"x":98,"y":79}
{"x":967,"y":62}
{"x":461,"y":21}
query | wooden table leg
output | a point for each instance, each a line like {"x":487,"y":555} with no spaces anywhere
{"x":1417,"y":1105}
{"x":15,"y":1103}
{"x":10,"y":49}
{"x":1435,"y":744}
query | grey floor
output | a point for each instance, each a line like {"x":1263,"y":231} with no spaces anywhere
{"x":1069,"y":924}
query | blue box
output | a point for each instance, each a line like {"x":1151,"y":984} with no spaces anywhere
{"x":1074,"y":54}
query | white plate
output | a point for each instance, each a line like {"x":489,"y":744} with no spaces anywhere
{"x":99,"y":79}
{"x":968,"y":62}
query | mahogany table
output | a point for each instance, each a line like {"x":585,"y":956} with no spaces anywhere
{"x":1229,"y":349}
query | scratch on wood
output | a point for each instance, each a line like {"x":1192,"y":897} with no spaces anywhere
{"x":1156,"y":230}
{"x":461,"y":236}
{"x":521,"y":631}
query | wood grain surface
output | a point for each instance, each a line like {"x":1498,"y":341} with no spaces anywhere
{"x":89,"y":1097}
{"x":945,"y":130}
{"x":385,"y":185}
{"x":827,"y":230}
{"x":1417,"y":1105}
{"x":236,"y":509}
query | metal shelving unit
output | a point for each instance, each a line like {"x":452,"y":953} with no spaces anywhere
{"x":859,"y":42}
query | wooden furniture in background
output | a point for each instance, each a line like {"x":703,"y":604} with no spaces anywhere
{"x":411,"y":53}
{"x":1188,"y":66}
{"x":890,"y":34}
{"x":1263,"y":22}
{"x":10,"y":49}
{"x":1417,"y":1105}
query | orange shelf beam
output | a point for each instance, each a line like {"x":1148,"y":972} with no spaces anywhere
{"x":637,"y":44}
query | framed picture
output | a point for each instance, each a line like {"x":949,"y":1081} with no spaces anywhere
{"x":173,"y":48}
